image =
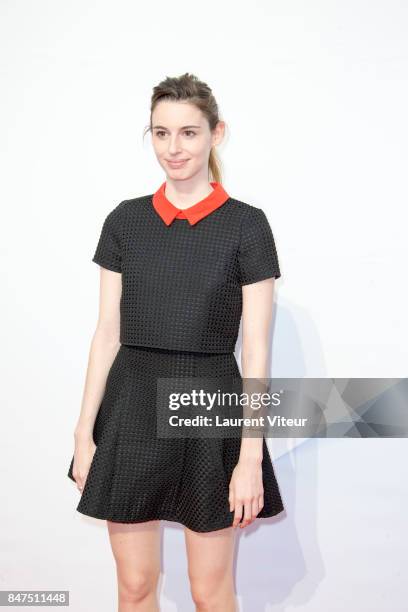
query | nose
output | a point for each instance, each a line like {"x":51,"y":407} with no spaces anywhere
{"x":174,"y":145}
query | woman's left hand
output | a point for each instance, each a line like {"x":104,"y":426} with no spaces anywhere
{"x":246,"y":492}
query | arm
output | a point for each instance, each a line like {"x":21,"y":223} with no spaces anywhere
{"x":246,"y":486}
{"x":256,"y":320}
{"x":104,"y":347}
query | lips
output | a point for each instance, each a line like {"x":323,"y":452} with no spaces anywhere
{"x":178,"y":163}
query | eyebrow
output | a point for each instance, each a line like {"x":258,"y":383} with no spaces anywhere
{"x":161,"y":127}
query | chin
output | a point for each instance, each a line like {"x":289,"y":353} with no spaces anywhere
{"x":175,"y":175}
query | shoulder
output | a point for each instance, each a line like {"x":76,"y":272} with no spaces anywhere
{"x":245,"y":209}
{"x":129,"y":204}
{"x":117,"y":214}
{"x":134,"y":205}
{"x":249,"y":215}
{"x":138,"y":201}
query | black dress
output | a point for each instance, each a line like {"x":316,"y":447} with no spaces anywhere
{"x":180,"y":309}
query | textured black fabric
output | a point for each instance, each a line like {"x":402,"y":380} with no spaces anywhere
{"x":136,"y":477}
{"x":181,"y":284}
{"x":180,"y":312}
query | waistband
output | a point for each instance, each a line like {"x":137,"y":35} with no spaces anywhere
{"x":171,"y":351}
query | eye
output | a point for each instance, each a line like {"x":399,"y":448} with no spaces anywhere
{"x":190,"y":132}
{"x":160,"y":132}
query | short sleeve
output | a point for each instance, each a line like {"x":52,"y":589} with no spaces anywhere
{"x":108,"y":253}
{"x":257,"y":256}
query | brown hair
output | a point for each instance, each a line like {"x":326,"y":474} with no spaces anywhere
{"x":188,"y":87}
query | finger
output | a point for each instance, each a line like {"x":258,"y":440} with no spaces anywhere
{"x":247,"y":514}
{"x":260,"y":502}
{"x":255,"y":508}
{"x":231,"y":500}
{"x":76,"y":478}
{"x":237,"y":513}
{"x":253,"y":511}
{"x":81,"y":483}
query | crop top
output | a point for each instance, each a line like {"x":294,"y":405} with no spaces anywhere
{"x":181,"y":280}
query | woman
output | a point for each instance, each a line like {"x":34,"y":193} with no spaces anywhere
{"x":178,"y":268}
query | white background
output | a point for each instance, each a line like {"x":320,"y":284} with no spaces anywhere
{"x":315,"y":97}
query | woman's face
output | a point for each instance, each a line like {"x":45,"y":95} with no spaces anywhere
{"x":182,"y":139}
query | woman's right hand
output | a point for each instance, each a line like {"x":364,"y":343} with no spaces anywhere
{"x":84,"y":451}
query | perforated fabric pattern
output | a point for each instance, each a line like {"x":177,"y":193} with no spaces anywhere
{"x":109,"y":248}
{"x":182,"y":283}
{"x":135,"y":476}
{"x":257,"y":254}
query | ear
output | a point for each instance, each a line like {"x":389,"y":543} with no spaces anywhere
{"x":218,"y":133}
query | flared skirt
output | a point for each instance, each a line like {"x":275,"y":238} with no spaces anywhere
{"x":136,"y":476}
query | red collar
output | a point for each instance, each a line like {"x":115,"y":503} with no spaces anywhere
{"x":168,"y":212}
